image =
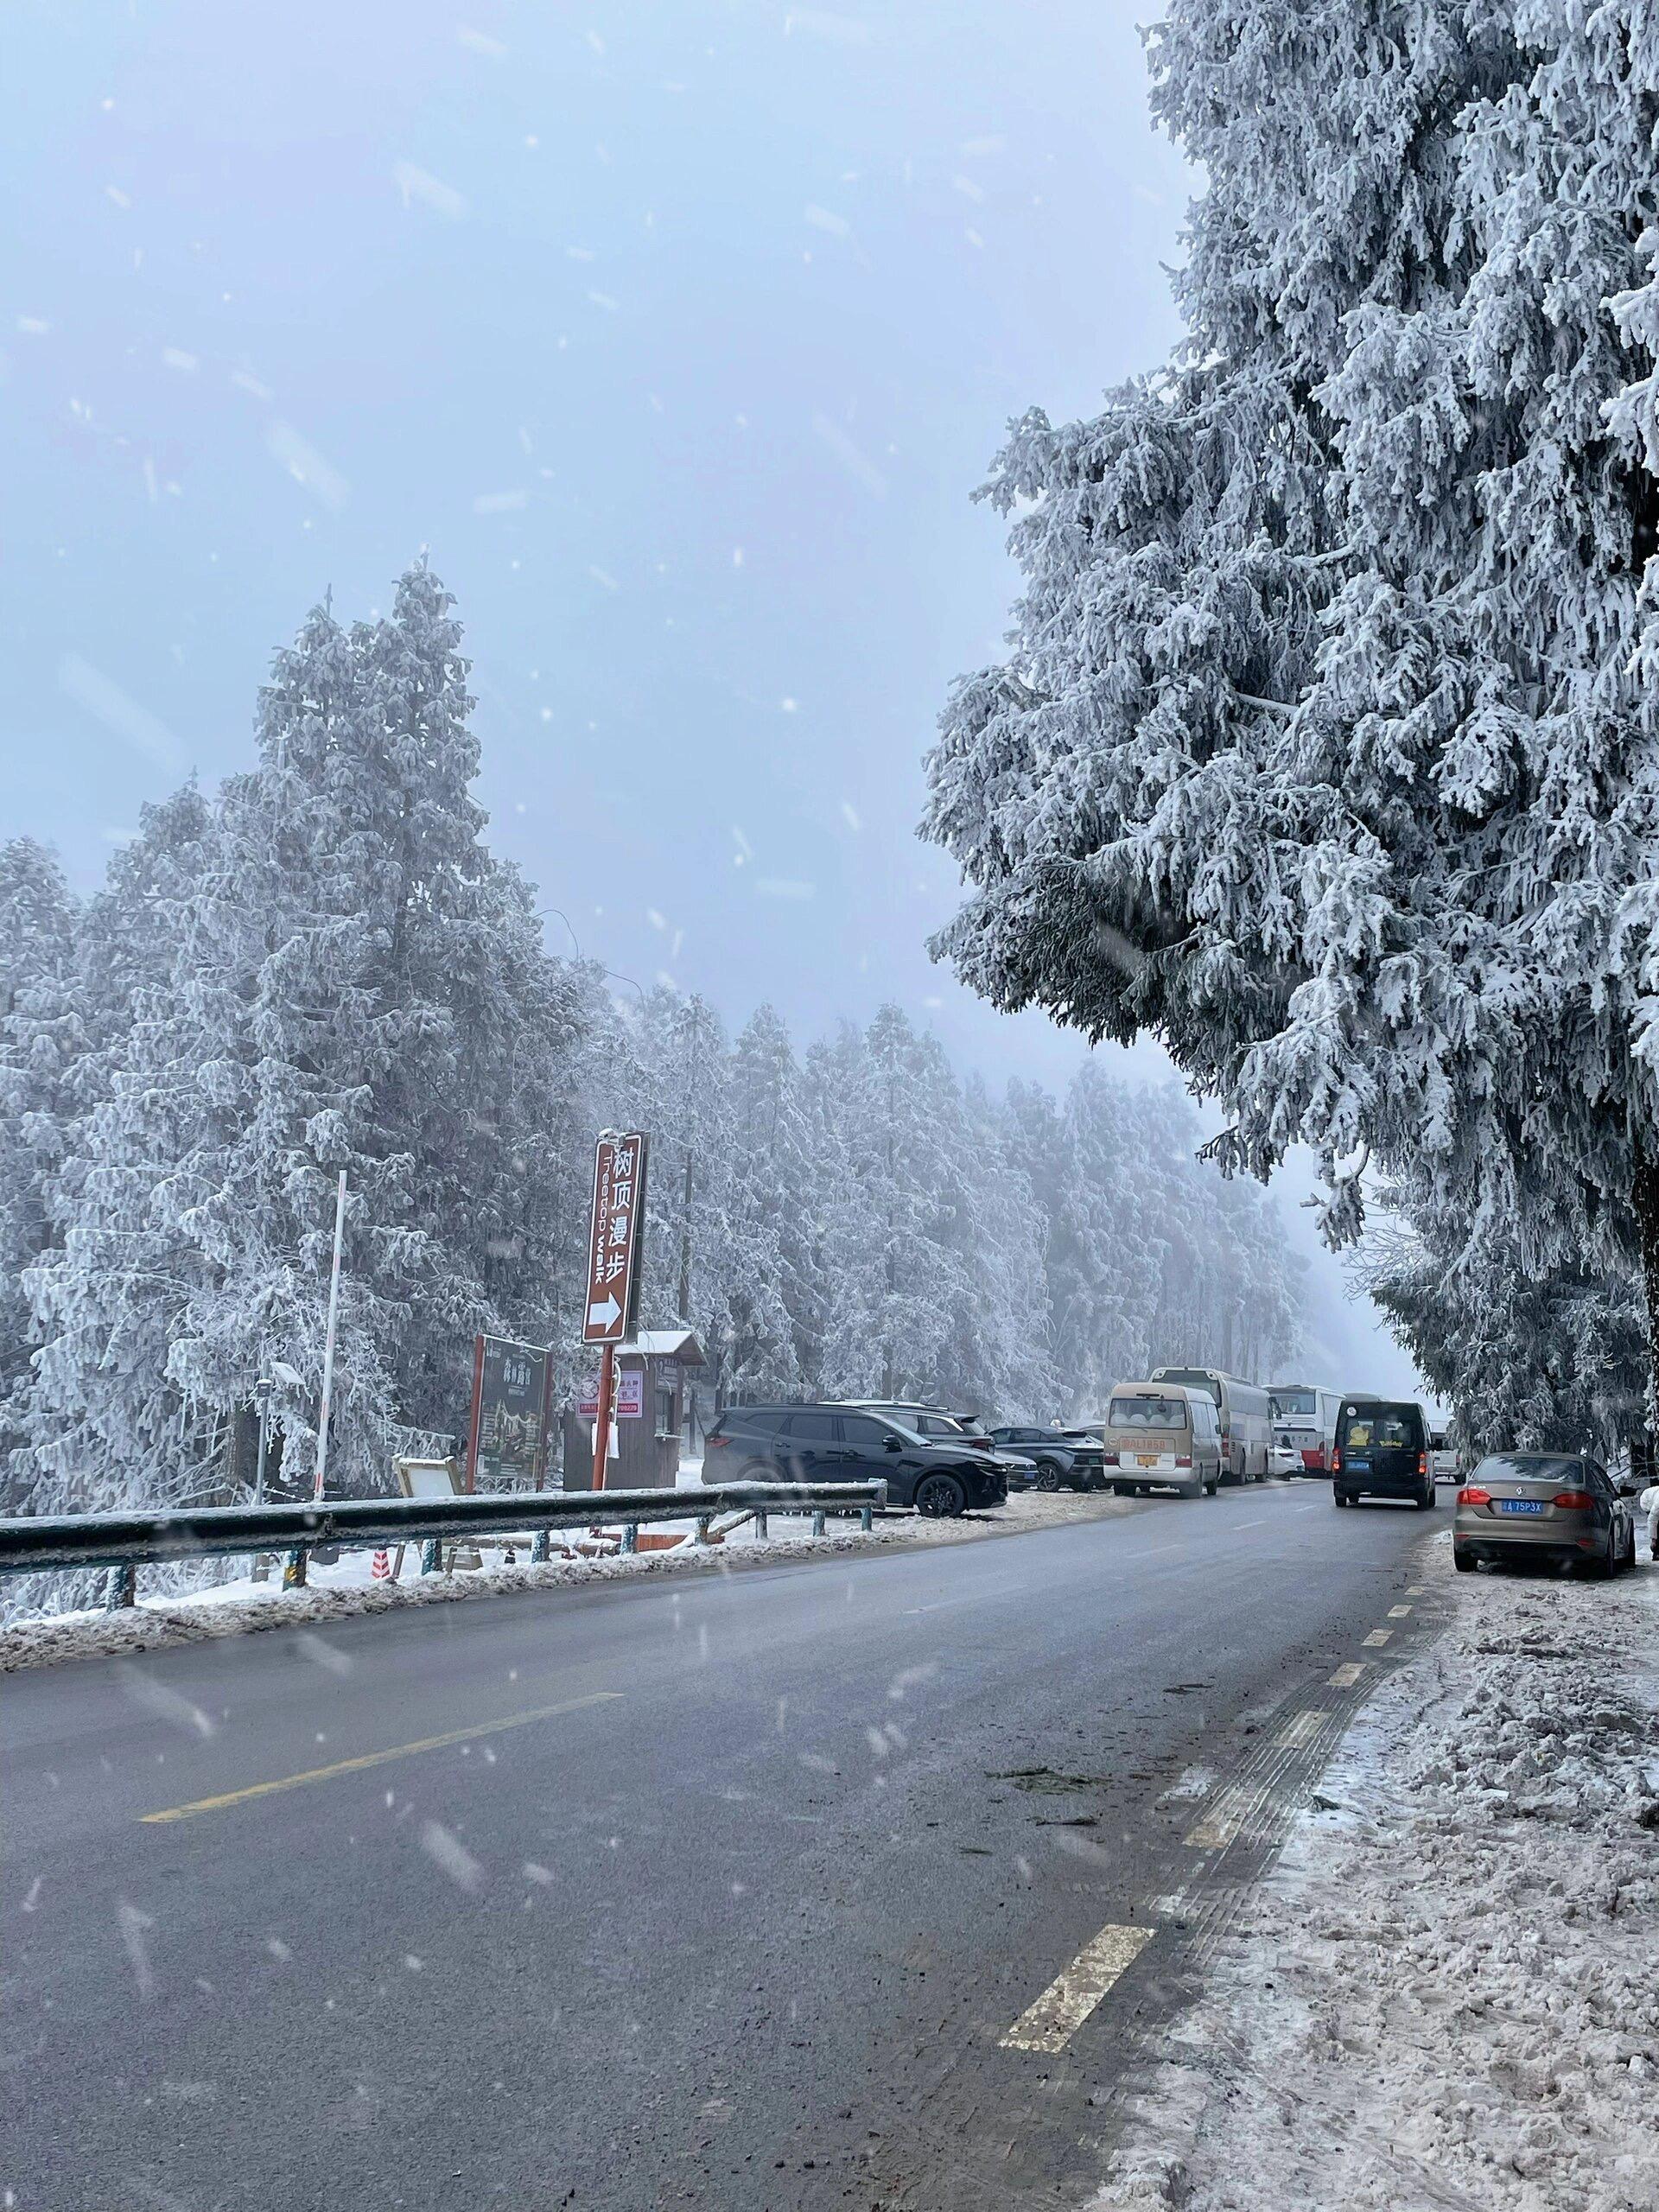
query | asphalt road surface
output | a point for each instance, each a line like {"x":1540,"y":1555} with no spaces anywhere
{"x":848,"y":1882}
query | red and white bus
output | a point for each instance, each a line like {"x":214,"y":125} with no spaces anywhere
{"x":1304,"y":1422}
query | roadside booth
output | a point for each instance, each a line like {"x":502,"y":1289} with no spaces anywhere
{"x":652,"y":1371}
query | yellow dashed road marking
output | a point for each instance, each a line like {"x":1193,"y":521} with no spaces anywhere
{"x":376,"y":1758}
{"x":1302,"y":1730}
{"x":1377,"y":1637}
{"x":1220,"y":1824}
{"x":1051,"y":2022}
{"x":1346,"y":1677}
{"x":1398,"y":1612}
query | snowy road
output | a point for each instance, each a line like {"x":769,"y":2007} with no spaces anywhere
{"x":847,"y":1882}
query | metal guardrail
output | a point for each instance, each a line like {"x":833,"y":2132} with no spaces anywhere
{"x":38,"y":1543}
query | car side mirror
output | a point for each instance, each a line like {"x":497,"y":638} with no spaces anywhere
{"x":891,"y":1444}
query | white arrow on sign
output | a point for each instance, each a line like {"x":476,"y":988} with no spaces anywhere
{"x":603,"y":1316}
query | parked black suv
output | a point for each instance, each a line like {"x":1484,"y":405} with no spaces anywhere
{"x":1065,"y":1459}
{"x":837,"y":1444}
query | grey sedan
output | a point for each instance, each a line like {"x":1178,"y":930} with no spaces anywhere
{"x":1543,"y":1505}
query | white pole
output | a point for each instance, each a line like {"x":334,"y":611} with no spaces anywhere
{"x":329,"y":1340}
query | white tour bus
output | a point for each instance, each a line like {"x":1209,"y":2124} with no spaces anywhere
{"x":1246,"y":1418}
{"x":1304,"y":1422}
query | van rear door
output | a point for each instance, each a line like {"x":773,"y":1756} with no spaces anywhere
{"x":1149,"y":1435}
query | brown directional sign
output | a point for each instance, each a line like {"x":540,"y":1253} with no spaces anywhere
{"x":614,"y":1238}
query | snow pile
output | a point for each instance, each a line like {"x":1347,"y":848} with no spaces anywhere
{"x":1448,"y":1994}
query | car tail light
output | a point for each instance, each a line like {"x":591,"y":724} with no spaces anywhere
{"x":1474,"y":1496}
{"x":715,"y":1443}
{"x":1183,"y":1459}
{"x":1111,"y":1459}
{"x":1582,"y":1499}
{"x":1336,"y":1460}
{"x":1422,"y":1463}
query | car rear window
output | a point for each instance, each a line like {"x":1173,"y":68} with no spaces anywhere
{"x":1383,"y":1428}
{"x":1140,"y":1410}
{"x":1528,"y":1467}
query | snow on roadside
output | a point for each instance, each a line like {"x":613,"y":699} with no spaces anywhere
{"x":1447,"y":1995}
{"x":336,"y":1592}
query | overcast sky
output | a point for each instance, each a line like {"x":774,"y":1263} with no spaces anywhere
{"x":679,"y":335}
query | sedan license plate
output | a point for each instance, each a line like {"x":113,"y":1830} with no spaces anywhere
{"x":1520,"y":1505}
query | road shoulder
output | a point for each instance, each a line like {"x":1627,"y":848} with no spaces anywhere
{"x":1444,"y":1995}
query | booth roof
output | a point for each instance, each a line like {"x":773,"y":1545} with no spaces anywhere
{"x":665,"y":1343}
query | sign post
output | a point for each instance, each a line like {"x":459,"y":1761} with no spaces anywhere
{"x":328,"y":1339}
{"x":613,"y":1241}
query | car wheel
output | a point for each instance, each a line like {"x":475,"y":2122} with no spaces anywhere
{"x":1212,"y":1485}
{"x":1192,"y":1489}
{"x":1340,"y":1498}
{"x":941,"y":1497}
{"x":758,"y":1470}
{"x":1424,"y":1499}
{"x":1048,"y":1475}
{"x":1466,"y":1562}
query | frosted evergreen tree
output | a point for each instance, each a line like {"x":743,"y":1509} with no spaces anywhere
{"x":1553,"y":1358}
{"x":104,"y":1421}
{"x":398,"y":1018}
{"x":999,"y":1362}
{"x":773,"y":1296}
{"x":41,"y":1037}
{"x":352,"y":982}
{"x":897,"y":1273}
{"x":679,"y":1095}
{"x":1324,"y":750}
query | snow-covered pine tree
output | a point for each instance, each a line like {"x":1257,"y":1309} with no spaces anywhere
{"x":678,"y":1092}
{"x":1325,"y":749}
{"x":999,"y":1361}
{"x":105,"y":1422}
{"x":1554,"y":1359}
{"x":389,"y":1011}
{"x":328,"y":970}
{"x":41,"y":1037}
{"x":772,"y":1296}
{"x":896,"y":1269}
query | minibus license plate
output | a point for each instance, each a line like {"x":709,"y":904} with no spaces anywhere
{"x":1147,"y":1458}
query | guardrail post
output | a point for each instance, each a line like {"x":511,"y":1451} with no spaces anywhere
{"x":293,"y":1566}
{"x":120,"y":1588}
{"x":760,"y":1521}
{"x":629,"y":1536}
{"x":867,"y":1518}
{"x":541,"y":1550}
{"x":703,"y":1520}
{"x":431,"y":1555}
{"x":818,"y":1521}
